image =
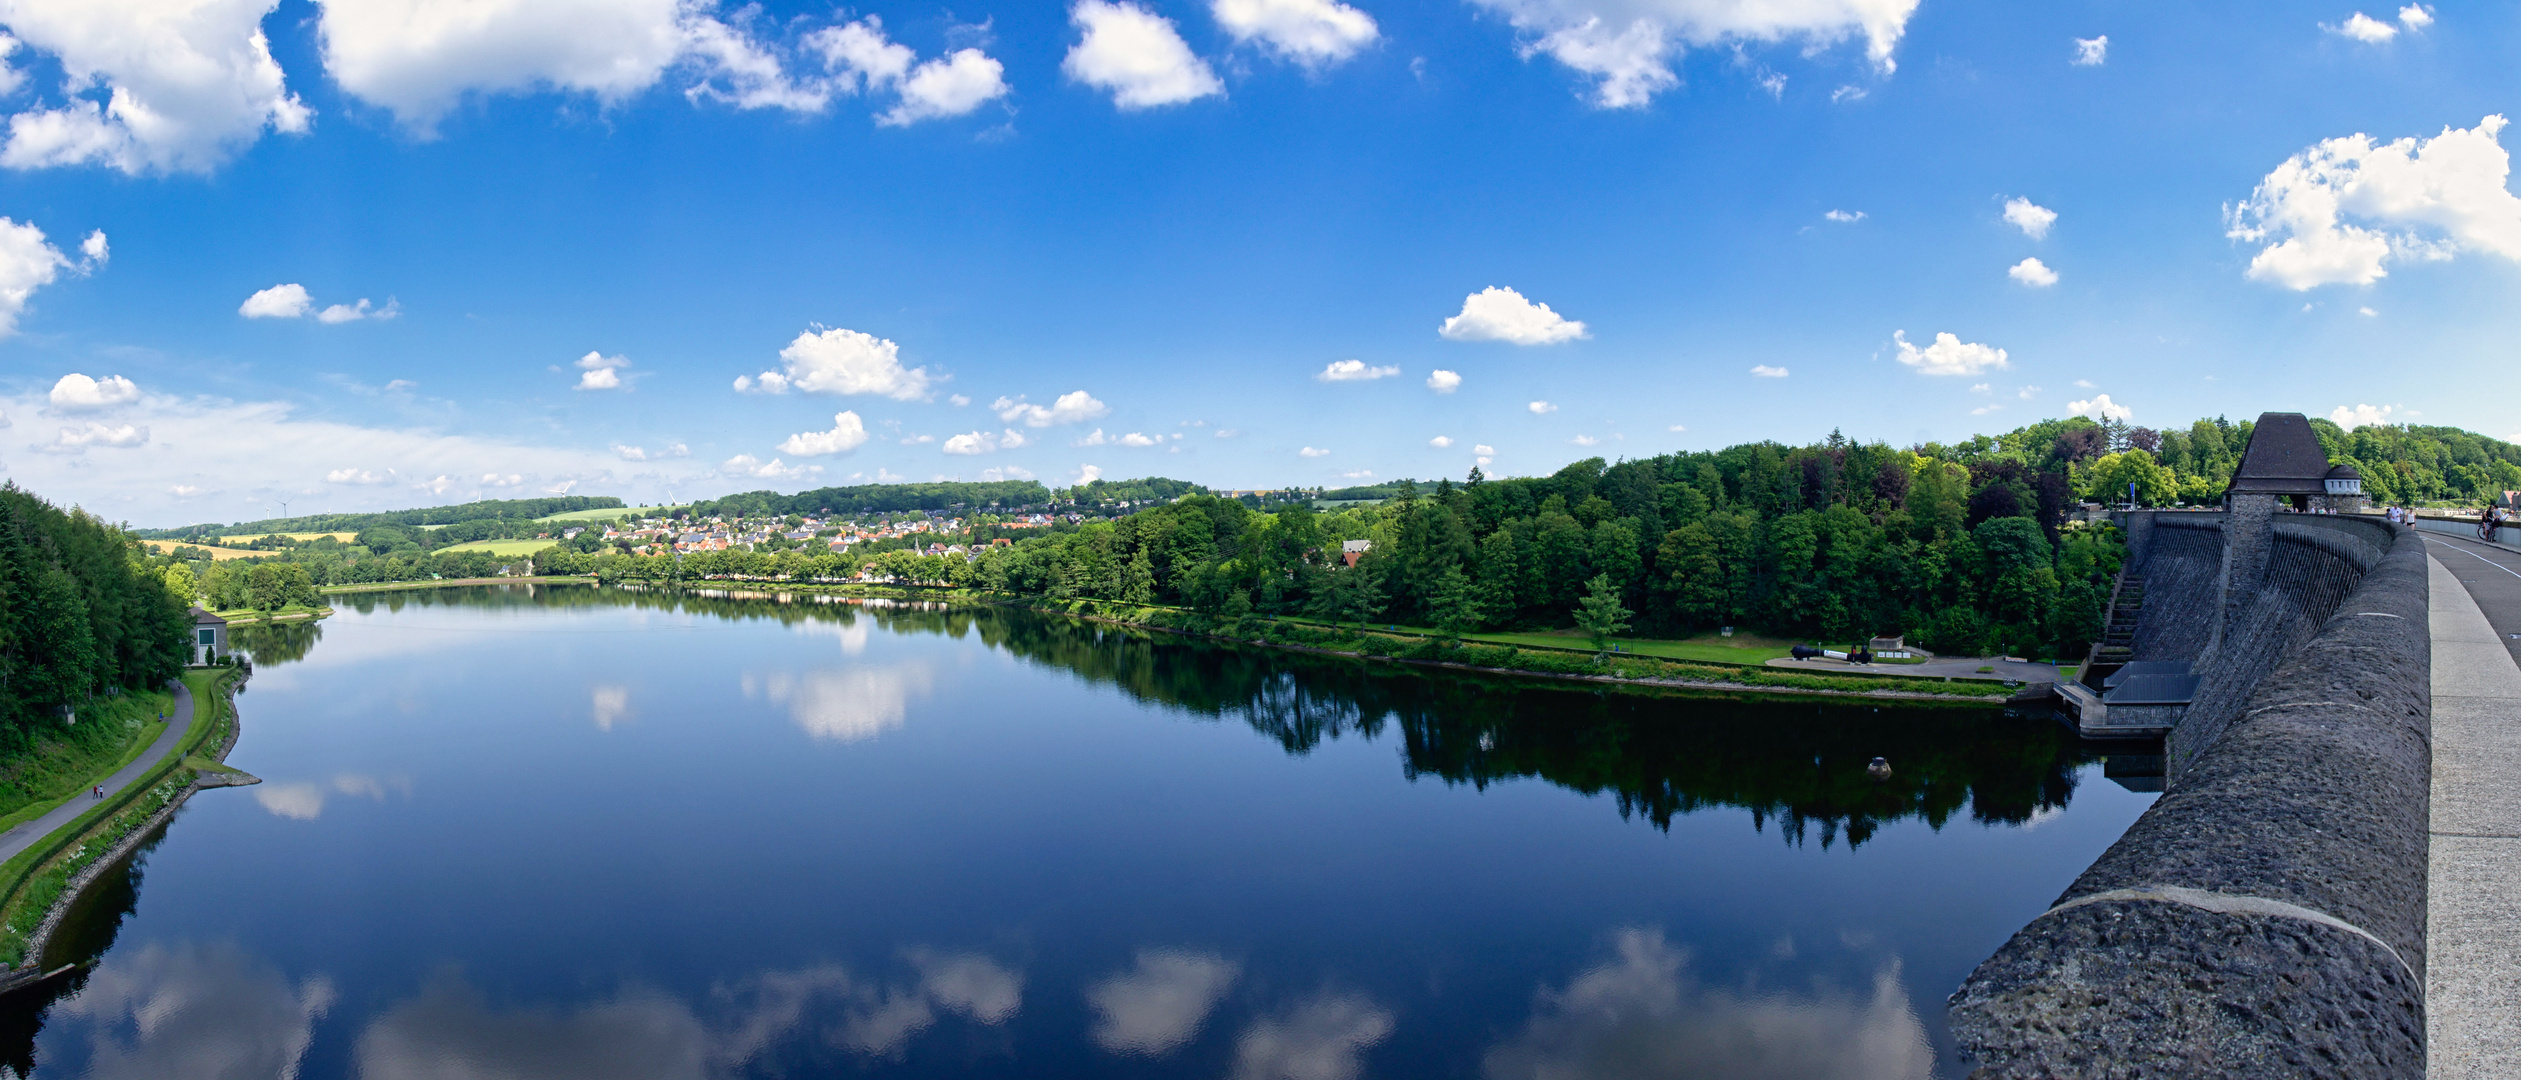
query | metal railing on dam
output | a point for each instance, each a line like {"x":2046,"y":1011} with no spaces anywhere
{"x":2266,"y":917}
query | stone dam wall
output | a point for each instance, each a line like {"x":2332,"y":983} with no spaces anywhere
{"x":2266,"y":917}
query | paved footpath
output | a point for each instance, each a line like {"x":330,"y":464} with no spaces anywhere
{"x":33,"y":832}
{"x":2473,"y":925}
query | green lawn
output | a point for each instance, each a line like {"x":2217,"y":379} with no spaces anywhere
{"x":501,"y":548}
{"x":615,"y":512}
{"x":1747,"y":650}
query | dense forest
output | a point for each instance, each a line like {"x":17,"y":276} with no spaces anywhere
{"x":84,"y":613}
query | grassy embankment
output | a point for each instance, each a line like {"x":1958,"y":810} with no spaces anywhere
{"x":32,"y":881}
{"x":1550,"y":660}
{"x":106,"y":738}
{"x":291,"y":613}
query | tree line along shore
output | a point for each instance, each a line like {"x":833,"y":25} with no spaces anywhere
{"x":1969,"y":548}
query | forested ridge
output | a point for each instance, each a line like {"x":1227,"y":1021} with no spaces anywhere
{"x":512,"y":510}
{"x":84,"y":613}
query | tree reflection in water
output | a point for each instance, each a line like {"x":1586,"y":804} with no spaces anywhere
{"x":271,"y":644}
{"x":1659,"y":754}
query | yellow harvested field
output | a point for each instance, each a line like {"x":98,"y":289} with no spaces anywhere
{"x":344,"y":537}
{"x":503,"y":548}
{"x":219,"y":554}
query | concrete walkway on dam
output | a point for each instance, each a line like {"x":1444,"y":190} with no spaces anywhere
{"x":2473,"y":928}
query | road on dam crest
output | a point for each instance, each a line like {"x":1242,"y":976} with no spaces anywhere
{"x":2473,"y":928}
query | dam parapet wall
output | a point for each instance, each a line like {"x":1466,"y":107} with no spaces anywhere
{"x":2266,"y":916}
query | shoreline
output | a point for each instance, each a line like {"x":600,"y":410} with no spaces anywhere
{"x":30,"y":970}
{"x":441,"y":583}
{"x":771,"y":590}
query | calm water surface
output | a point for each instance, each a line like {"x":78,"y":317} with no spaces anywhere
{"x":586,"y":833}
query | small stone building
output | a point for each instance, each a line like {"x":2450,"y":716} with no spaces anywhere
{"x":2285,"y":465}
{"x":210,"y":637}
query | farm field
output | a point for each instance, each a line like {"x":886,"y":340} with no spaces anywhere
{"x":217,"y":554}
{"x":344,"y":537}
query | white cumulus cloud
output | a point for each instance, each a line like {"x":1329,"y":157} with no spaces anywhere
{"x":600,"y":372}
{"x":27,"y":262}
{"x":1309,"y":32}
{"x":359,"y":476}
{"x":1629,"y":46}
{"x":1311,"y":451}
{"x":1136,"y":55}
{"x":1444,"y":382}
{"x":121,"y":436}
{"x":1766,"y":371}
{"x":2416,"y":16}
{"x":1501,"y":314}
{"x":982,"y":442}
{"x":2033,"y":273}
{"x":75,"y":392}
{"x":1354,"y":371}
{"x":1006,"y":472}
{"x":1440,"y":441}
{"x":1844,"y":217}
{"x":847,"y":434}
{"x":1075,"y":406}
{"x":2099,"y":408}
{"x":2030,"y":217}
{"x":2422,"y":199}
{"x":1949,"y":355}
{"x":342,"y":313}
{"x":421,"y":58}
{"x":287,"y":301}
{"x":2363,"y":28}
{"x":843,"y":362}
{"x":161,"y":86}
{"x":1541,"y":408}
{"x":2092,"y":51}
{"x":748,"y":467}
{"x":952,"y":85}
{"x":2352,"y":417}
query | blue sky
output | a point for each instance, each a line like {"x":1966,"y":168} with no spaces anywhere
{"x":999,"y":231}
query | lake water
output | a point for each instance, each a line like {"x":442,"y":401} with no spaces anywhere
{"x":572,"y":832}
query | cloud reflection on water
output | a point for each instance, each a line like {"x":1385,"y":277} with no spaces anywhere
{"x":611,"y":704}
{"x":207,"y":1011}
{"x":1642,"y":1015}
{"x":450,"y":1033}
{"x":843,"y":704}
{"x":1161,"y":1003}
{"x":303,"y":800}
{"x":1322,"y":1039}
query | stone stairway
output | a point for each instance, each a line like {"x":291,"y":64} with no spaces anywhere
{"x":2118,"y":638}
